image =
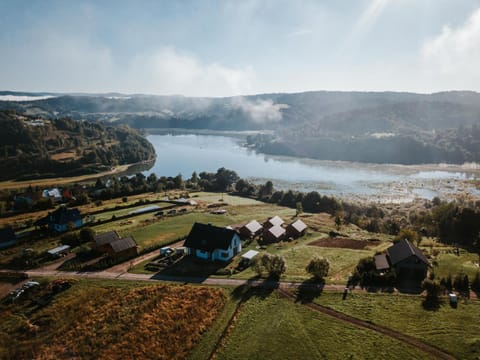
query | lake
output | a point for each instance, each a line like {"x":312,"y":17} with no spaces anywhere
{"x":186,"y":153}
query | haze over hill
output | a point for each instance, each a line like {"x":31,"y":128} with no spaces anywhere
{"x":347,"y":112}
{"x":377,"y":127}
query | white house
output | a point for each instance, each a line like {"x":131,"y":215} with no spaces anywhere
{"x":214,"y":243}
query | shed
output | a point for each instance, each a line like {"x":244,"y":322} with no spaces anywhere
{"x":296,"y":229}
{"x":273,"y":221}
{"x":274,"y":234}
{"x":103,"y":240}
{"x":381,"y":262}
{"x":59,"y":251}
{"x":251,"y":229}
{"x":123,"y":248}
{"x":248,"y":257}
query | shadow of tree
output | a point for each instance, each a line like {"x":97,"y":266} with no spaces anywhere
{"x":309,"y":290}
{"x":254,"y":288}
{"x":432,"y":305}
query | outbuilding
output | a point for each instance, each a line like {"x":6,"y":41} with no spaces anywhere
{"x":273,"y":221}
{"x":296,"y":229}
{"x":251,"y":229}
{"x":248,"y":257}
{"x":274,"y":234}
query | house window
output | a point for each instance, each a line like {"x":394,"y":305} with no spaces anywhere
{"x":224,"y":254}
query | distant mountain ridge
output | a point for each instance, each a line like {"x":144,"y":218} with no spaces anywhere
{"x":326,"y":110}
{"x":379,"y":127}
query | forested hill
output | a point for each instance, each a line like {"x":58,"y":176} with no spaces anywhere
{"x":380,"y":127}
{"x":32,"y":147}
{"x":349,"y":112}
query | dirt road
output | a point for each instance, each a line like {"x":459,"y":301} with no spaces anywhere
{"x":429,"y":349}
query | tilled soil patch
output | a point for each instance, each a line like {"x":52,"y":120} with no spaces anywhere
{"x":335,"y":242}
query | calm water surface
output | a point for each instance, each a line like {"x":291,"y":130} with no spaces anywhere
{"x":183,"y":154}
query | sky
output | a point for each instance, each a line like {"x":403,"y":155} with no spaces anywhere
{"x":238,"y":47}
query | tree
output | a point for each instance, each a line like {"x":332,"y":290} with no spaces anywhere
{"x":433,"y":291}
{"x":299,"y":208}
{"x":318,"y":267}
{"x":273,"y":265}
{"x":338,"y":221}
{"x":194,"y":178}
{"x":409,"y":234}
{"x":87,"y":234}
{"x":224,"y":178}
{"x":461,"y":283}
{"x":475,"y":285}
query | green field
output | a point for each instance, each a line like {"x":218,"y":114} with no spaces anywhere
{"x":276,"y":328}
{"x":454,"y":330}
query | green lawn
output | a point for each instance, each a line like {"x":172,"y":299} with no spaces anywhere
{"x":276,"y":328}
{"x":454,"y":330}
{"x":453,"y":264}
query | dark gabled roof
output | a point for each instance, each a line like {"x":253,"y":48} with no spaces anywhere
{"x":298,"y":225}
{"x":403,"y":250}
{"x":381,"y":262}
{"x":253,"y":226}
{"x":60,"y":216}
{"x":208,"y":237}
{"x":106,"y":238}
{"x":123,"y":244}
{"x":277,"y":231}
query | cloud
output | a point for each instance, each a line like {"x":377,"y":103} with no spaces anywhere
{"x":455,"y":52}
{"x":260,"y":111}
{"x":169,"y":71}
{"x":76,"y":63}
{"x":455,"y":49}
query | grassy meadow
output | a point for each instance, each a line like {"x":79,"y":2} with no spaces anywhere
{"x":271,"y":327}
{"x":456,"y":331}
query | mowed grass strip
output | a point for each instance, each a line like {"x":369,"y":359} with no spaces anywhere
{"x":111,"y":320}
{"x":454,"y":330}
{"x":276,"y":328}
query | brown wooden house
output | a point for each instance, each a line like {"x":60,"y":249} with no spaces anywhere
{"x":274,"y":234}
{"x":410,"y":264}
{"x":273,"y":221}
{"x":251,"y":229}
{"x":119,"y":248}
{"x":296,"y":229}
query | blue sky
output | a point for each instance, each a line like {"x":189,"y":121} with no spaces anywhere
{"x":223,"y":48}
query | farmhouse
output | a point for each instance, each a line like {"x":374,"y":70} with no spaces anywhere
{"x":273,"y":221}
{"x":274,"y":234}
{"x":209,"y":242}
{"x":296,"y":229}
{"x":409,"y":262}
{"x":61,"y":219}
{"x":251,"y":229}
{"x":119,"y":248}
